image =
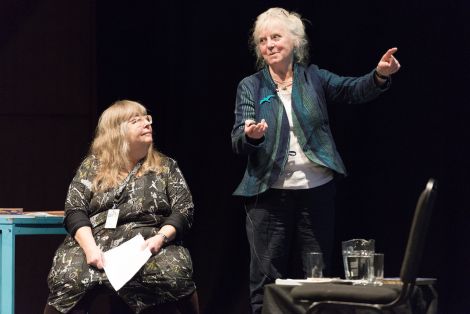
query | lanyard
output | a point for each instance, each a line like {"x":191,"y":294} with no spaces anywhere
{"x":121,"y":187}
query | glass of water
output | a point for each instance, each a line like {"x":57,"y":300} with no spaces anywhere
{"x":314,"y":265}
{"x":378,"y":265}
{"x":358,"y":259}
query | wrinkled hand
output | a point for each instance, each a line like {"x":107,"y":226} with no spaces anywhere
{"x":255,"y":130}
{"x":154,"y":244}
{"x":388,"y":64}
{"x":94,"y":257}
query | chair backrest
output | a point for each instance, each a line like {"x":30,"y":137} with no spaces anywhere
{"x":418,"y":232}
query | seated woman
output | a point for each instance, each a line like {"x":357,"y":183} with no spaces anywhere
{"x":123,"y":171}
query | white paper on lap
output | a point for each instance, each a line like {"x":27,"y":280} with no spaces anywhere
{"x":124,"y":261}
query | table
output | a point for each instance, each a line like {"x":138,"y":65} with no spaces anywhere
{"x":10,"y":227}
{"x":277,"y":300}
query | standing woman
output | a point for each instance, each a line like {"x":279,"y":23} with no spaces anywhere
{"x":281,"y":125}
{"x":124,"y":174}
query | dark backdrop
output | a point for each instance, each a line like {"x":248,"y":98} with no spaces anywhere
{"x":184,"y":61}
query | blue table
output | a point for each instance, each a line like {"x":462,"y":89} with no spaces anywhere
{"x":10,"y":227}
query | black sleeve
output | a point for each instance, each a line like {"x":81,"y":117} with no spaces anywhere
{"x":182,"y":207}
{"x":79,"y":196}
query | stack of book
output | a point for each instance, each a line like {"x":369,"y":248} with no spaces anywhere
{"x":20,"y":211}
{"x":11,"y":211}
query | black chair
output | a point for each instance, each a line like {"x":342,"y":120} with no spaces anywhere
{"x":376,"y":298}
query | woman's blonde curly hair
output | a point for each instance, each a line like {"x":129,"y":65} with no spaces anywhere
{"x":111,"y":148}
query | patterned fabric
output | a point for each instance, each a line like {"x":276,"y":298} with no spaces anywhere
{"x":146,"y":204}
{"x":312,"y":90}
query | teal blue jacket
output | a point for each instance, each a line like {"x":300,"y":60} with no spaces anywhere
{"x":312,"y":90}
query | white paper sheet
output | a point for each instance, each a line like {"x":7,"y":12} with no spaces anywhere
{"x":122,"y":262}
{"x":298,"y":282}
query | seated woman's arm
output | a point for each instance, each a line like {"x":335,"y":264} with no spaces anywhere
{"x":76,"y":219}
{"x":94,"y":256}
{"x":180,"y":220}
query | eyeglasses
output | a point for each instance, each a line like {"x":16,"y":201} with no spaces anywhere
{"x":140,"y":120}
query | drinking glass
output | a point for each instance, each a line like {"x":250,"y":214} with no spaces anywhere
{"x":314,"y":265}
{"x":378,"y":268}
{"x":358,"y":259}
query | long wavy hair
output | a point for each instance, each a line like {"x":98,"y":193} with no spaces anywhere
{"x":292,"y":22}
{"x":111,"y":148}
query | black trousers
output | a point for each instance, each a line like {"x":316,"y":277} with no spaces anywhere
{"x":282,"y":227}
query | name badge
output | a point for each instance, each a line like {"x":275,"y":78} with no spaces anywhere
{"x":112,"y":218}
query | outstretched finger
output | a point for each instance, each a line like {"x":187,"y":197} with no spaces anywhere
{"x":389,"y":54}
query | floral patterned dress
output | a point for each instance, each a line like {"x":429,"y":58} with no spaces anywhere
{"x":147,"y":203}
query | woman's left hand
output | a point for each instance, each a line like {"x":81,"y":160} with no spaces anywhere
{"x":166,"y":234}
{"x":388,"y":64}
{"x":155,"y":243}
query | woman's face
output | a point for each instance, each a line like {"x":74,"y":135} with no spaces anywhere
{"x":276,"y":46}
{"x":139,"y":130}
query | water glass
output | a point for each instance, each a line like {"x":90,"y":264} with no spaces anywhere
{"x":314,"y":265}
{"x":378,"y":268}
{"x":360,"y":267}
{"x":358,"y":259}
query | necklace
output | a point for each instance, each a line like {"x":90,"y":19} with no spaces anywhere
{"x":282,"y":85}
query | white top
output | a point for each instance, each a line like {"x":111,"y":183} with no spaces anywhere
{"x":299,"y":172}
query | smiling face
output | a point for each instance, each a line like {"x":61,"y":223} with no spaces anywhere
{"x":287,"y":32}
{"x":276,"y":46}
